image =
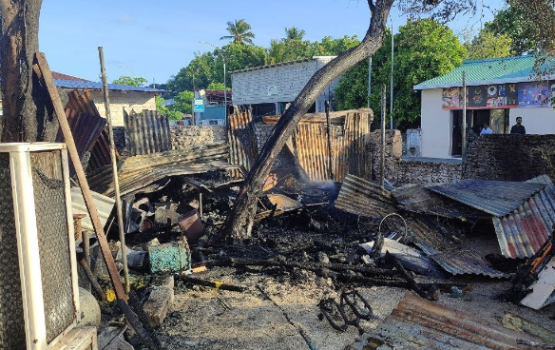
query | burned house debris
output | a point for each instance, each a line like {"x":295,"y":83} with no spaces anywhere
{"x":335,"y":260}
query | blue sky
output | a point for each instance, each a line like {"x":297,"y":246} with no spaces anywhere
{"x":154,"y":39}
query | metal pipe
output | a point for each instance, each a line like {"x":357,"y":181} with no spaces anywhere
{"x":391,"y":86}
{"x":114,"y":169}
{"x":369,"y":79}
{"x":464,"y":115}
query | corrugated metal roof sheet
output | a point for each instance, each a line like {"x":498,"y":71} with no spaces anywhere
{"x":78,"y":84}
{"x":486,"y":71}
{"x":494,"y":197}
{"x":104,"y":206}
{"x":447,"y":252}
{"x":418,"y":199}
{"x":365,"y":198}
{"x":522,"y":232}
{"x":417,"y":323}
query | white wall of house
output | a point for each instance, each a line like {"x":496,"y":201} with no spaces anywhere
{"x":278,"y":83}
{"x":539,"y":120}
{"x":130,"y":100}
{"x":436,"y":125}
{"x":437,"y":133}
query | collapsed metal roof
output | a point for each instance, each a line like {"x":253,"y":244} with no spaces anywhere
{"x":523,"y":212}
{"x":365,"y":198}
{"x":434,"y":240}
{"x":522,"y":232}
{"x":418,"y":199}
{"x":494,"y":197}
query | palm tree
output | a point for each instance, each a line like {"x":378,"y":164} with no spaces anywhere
{"x":294,"y":33}
{"x":240,"y":32}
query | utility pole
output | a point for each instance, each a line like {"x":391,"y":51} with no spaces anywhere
{"x":369,"y":79}
{"x":391,"y":85}
{"x":464,"y":115}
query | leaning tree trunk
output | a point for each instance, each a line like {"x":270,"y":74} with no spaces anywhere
{"x":20,"y":92}
{"x":239,"y":222}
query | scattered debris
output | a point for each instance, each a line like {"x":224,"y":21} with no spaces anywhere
{"x":169,"y":257}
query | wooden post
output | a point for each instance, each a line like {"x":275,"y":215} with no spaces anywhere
{"x":328,"y":129}
{"x":114,"y":169}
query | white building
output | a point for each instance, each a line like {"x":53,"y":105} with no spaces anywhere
{"x":499,"y":90}
{"x":269,"y":89}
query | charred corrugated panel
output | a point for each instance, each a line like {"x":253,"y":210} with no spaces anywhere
{"x":435,"y":242}
{"x":100,"y":154}
{"x":418,"y":199}
{"x":141,"y":171}
{"x":85,"y":123}
{"x":243,"y":149}
{"x":146,"y":133}
{"x":494,"y":197}
{"x":522,"y":232}
{"x":421,"y":324}
{"x":365,"y":198}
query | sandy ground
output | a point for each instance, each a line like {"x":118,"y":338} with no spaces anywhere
{"x":204,"y":318}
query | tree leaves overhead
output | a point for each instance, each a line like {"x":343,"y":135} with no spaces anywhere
{"x":423,"y":49}
{"x":240,"y":32}
{"x":489,"y":45}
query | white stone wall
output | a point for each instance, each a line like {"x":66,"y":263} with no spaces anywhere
{"x":437,"y":123}
{"x":136,"y":100}
{"x":539,"y":120}
{"x":280,"y":83}
{"x":436,"y":126}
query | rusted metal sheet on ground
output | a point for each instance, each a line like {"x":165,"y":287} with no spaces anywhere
{"x":138,"y":172}
{"x":86,"y":125}
{"x":497,"y":198}
{"x":146,"y":133}
{"x":243,"y":149}
{"x":365,"y":198}
{"x":522,"y":232}
{"x":417,"y":323}
{"x":435,"y":242}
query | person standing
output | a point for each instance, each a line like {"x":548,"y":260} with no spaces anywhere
{"x":518,"y":128}
{"x":486,"y":130}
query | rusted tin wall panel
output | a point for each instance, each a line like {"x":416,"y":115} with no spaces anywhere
{"x":242,"y":140}
{"x":87,"y":126}
{"x":146,"y":133}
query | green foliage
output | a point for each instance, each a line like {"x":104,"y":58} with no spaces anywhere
{"x":218,"y":86}
{"x":131,"y":81}
{"x":489,"y":45}
{"x":514,"y":23}
{"x":160,"y":107}
{"x":184,"y":102}
{"x":331,"y":47}
{"x":423,"y":49}
{"x":240,"y":32}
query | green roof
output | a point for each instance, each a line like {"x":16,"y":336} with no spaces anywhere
{"x":484,"y":72}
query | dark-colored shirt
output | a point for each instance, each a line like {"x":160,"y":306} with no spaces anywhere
{"x":518,"y":129}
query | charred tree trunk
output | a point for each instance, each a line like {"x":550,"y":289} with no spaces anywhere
{"x":239,"y":222}
{"x":20,"y":93}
